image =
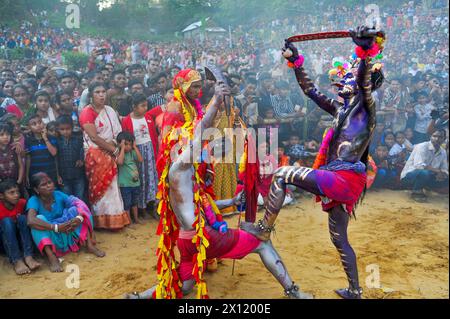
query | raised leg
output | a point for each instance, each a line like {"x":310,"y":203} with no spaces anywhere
{"x":337,"y":223}
{"x":275,"y":265}
{"x":302,"y":177}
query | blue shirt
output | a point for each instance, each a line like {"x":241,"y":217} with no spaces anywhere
{"x":56,"y":209}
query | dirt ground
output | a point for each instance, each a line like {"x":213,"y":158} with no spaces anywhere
{"x":408,"y":241}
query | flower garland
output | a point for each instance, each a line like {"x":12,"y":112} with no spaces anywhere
{"x":169,"y":285}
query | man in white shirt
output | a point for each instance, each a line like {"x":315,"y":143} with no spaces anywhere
{"x":426,"y":167}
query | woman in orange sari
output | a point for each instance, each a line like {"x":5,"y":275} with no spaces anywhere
{"x":101,"y":126}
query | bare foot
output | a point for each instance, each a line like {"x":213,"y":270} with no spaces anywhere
{"x":31,"y":263}
{"x":20,"y":268}
{"x":139,"y":221}
{"x":55,"y":265}
{"x":95,"y":251}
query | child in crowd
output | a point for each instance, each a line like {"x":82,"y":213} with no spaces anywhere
{"x":283,"y":160}
{"x":129,"y":183}
{"x":140,"y":123}
{"x":409,"y":137}
{"x":70,"y":159}
{"x":11,"y":163}
{"x":13,"y":225}
{"x":52,"y":130}
{"x":40,"y":150}
{"x":66,"y":106}
{"x":385,"y":174}
{"x":43,"y":109}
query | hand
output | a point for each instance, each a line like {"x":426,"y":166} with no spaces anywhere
{"x":75,"y":222}
{"x":65,"y":227}
{"x":19,"y":180}
{"x":220,"y":90}
{"x":289,"y":51}
{"x":60,"y":181}
{"x":44,"y":135}
{"x":17,"y":148}
{"x":122,"y":144}
{"x":239,"y":199}
{"x":360,"y":37}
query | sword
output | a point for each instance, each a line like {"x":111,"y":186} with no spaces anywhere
{"x":214,"y":74}
{"x":332,"y":35}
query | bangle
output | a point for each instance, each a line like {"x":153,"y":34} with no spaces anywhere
{"x":56,"y":228}
{"x":116,"y":152}
{"x":80,"y":218}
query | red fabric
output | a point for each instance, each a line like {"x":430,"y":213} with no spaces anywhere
{"x":234,"y":244}
{"x":100,"y":171}
{"x":88,"y":116}
{"x":17,"y":210}
{"x":341,"y":187}
{"x":14,"y":109}
{"x":127,"y":125}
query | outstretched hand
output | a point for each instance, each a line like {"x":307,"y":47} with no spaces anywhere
{"x":221,"y":90}
{"x":360,"y":37}
{"x":289,"y":51}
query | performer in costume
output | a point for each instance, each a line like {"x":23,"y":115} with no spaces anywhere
{"x":189,"y":216}
{"x":338,"y":176}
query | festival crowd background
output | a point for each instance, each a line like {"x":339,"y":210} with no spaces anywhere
{"x":44,"y":108}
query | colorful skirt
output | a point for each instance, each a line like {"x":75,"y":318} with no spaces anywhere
{"x":147,"y":174}
{"x":104,"y":193}
{"x":63,"y":243}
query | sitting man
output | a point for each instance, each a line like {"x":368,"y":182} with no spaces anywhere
{"x":426,"y":167}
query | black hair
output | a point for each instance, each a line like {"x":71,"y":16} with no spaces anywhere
{"x":133,"y":82}
{"x":93,"y":86}
{"x":32,"y":82}
{"x":138,"y":98}
{"x":51,"y":125}
{"x":65,"y":75}
{"x":64,"y":120}
{"x":398,"y":132}
{"x":8,"y":79}
{"x":133,"y":67}
{"x":155,"y":79}
{"x":125,"y":136}
{"x":60,"y":93}
{"x":20,"y":86}
{"x":91,"y":74}
{"x":41,"y":93}
{"x":251,"y":81}
{"x":116,"y":72}
{"x":7,"y":70}
{"x":32,"y":116}
{"x":40,"y":70}
{"x":6,"y":127}
{"x":377,"y":79}
{"x":282,"y":85}
{"x":36,"y":179}
{"x":422,"y":93}
{"x":7,"y":184}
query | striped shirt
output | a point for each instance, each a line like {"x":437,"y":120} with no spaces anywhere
{"x":155,"y":100}
{"x":40,"y":158}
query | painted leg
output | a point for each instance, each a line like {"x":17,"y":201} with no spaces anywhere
{"x":275,"y":265}
{"x":338,"y":222}
{"x":302,"y":177}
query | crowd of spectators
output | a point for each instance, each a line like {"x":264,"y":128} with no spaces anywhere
{"x":46,"y":108}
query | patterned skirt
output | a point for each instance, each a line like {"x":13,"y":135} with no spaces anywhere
{"x":148,"y":175}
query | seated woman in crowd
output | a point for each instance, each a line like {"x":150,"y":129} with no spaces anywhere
{"x":59,"y":223}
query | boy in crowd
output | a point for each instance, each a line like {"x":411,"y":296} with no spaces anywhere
{"x":129,"y":182}
{"x":70,"y":158}
{"x":40,"y":150}
{"x":13,"y":225}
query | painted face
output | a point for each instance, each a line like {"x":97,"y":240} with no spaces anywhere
{"x":347,"y":87}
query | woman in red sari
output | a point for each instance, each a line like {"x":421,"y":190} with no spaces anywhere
{"x":101,"y":126}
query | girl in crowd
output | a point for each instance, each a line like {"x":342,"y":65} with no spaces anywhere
{"x":101,"y":126}
{"x":59,"y":223}
{"x":11,"y":163}
{"x":140,"y":123}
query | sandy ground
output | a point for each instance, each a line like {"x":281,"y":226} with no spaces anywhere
{"x":408,"y":241}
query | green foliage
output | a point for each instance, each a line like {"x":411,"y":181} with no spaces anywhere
{"x":13,"y":54}
{"x":75,"y":60}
